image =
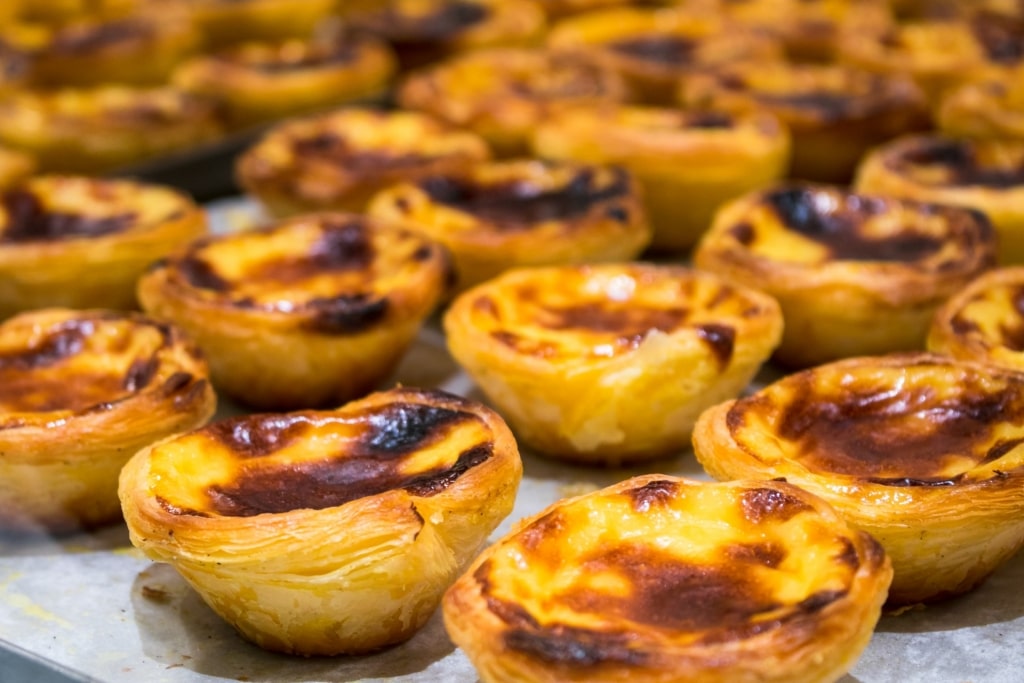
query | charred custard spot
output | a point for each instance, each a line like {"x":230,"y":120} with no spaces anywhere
{"x":959,"y":160}
{"x":964,"y":326}
{"x":999,"y":449}
{"x":177,"y":382}
{"x":201,"y":274}
{"x":560,"y":644}
{"x":448,"y":20}
{"x":633,"y":321}
{"x":258,"y":436}
{"x":765,"y":554}
{"x":56,"y":346}
{"x":29,"y":221}
{"x":401,"y":428}
{"x":837,"y":225}
{"x":671,"y":51}
{"x":519,"y":205}
{"x":743,"y":233}
{"x":551,"y":525}
{"x":710,"y":120}
{"x":651,"y":495}
{"x":343,"y":246}
{"x":721,"y":339}
{"x":1000,"y":36}
{"x":848,"y":555}
{"x":347,"y":313}
{"x":83,"y":39}
{"x":141,"y":373}
{"x":762,"y":505}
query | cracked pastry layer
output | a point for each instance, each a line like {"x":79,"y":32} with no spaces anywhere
{"x":83,"y":242}
{"x":924,"y":452}
{"x":326,"y":532}
{"x":306,"y":312}
{"x":855,"y":274}
{"x":80,"y":393}
{"x":501,"y":215}
{"x":608,"y":364}
{"x":659,"y":578}
{"x":339,"y":160}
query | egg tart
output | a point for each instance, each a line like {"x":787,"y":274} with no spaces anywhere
{"x":653,"y":48}
{"x":326,"y":532}
{"x":339,"y":160}
{"x":609,"y":364}
{"x":834,"y":113}
{"x":304,"y":313}
{"x":987,"y":175}
{"x":223,"y":22}
{"x":80,"y":393}
{"x":81,"y":242}
{"x":660,"y":578}
{"x":92,"y":130}
{"x":505,"y":93}
{"x":425,"y":31}
{"x":260,"y":82}
{"x":984,"y":110}
{"x":924,"y":452}
{"x":688,"y":163}
{"x":495,"y":216}
{"x":855,"y":274}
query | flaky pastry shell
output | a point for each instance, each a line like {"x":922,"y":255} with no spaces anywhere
{"x":80,"y":393}
{"x":665,"y":579}
{"x":500,"y":215}
{"x":986,"y":175}
{"x":612,"y":363}
{"x":331,"y":532}
{"x":688,"y":163}
{"x":922,"y":451}
{"x":307,"y":312}
{"x":855,"y":274}
{"x":339,"y":160}
{"x":83,"y":242}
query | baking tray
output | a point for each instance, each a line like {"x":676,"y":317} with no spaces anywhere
{"x":89,"y":607}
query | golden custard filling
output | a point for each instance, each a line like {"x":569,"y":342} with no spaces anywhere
{"x":271,"y":464}
{"x":926,"y":423}
{"x":676,"y":563}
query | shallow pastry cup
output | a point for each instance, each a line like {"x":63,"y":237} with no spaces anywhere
{"x":609,"y":364}
{"x":987,"y":175}
{"x":224,"y":22}
{"x":80,"y":393}
{"x":653,"y":48}
{"x":834,"y":113}
{"x":339,"y":160}
{"x":94,"y":130}
{"x":984,"y":110}
{"x":308,"y":312}
{"x":501,"y":215}
{"x":659,"y":578}
{"x":924,"y":452}
{"x":326,"y":532}
{"x":855,"y":274}
{"x":505,"y":93}
{"x":83,"y":242}
{"x":261,"y":82}
{"x":425,"y":31}
{"x":688,"y":163}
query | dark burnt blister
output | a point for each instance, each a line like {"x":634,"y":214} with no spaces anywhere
{"x":57,"y":345}
{"x":347,"y":313}
{"x":710,"y":120}
{"x":626,"y":322}
{"x":445,"y":22}
{"x":1000,"y":36}
{"x":259,"y":435}
{"x":344,"y":245}
{"x":140,"y":373}
{"x":201,"y":274}
{"x":653,"y":494}
{"x":29,"y":221}
{"x":664,"y":50}
{"x":770,"y":505}
{"x":721,"y":339}
{"x":961,"y":164}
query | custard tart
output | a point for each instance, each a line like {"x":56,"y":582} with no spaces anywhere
{"x":855,"y":274}
{"x":987,"y":175}
{"x":688,"y":163}
{"x":339,"y":160}
{"x":924,"y":452}
{"x":834,"y":113}
{"x":505,"y":93}
{"x":223,"y":22}
{"x":80,"y":393}
{"x":985,"y":109}
{"x":653,"y":48}
{"x":326,"y":532}
{"x":612,"y":363}
{"x":425,"y":31}
{"x":984,"y":321}
{"x":81,"y":242}
{"x":93,"y":130}
{"x":310,"y":311}
{"x":499,"y":215}
{"x":660,"y":578}
{"x":261,"y":82}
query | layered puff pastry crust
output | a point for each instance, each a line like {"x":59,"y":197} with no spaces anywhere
{"x":500,"y":215}
{"x":326,"y":532}
{"x":80,"y":393}
{"x":83,"y":242}
{"x":307,"y":312}
{"x":339,"y":160}
{"x":987,"y":175}
{"x":504,"y":94}
{"x":688,"y":163}
{"x":855,"y":274}
{"x":924,"y":452}
{"x":660,"y":578}
{"x":609,"y":364}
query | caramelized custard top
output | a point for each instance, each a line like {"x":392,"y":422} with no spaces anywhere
{"x":426,"y":22}
{"x":938,"y":161}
